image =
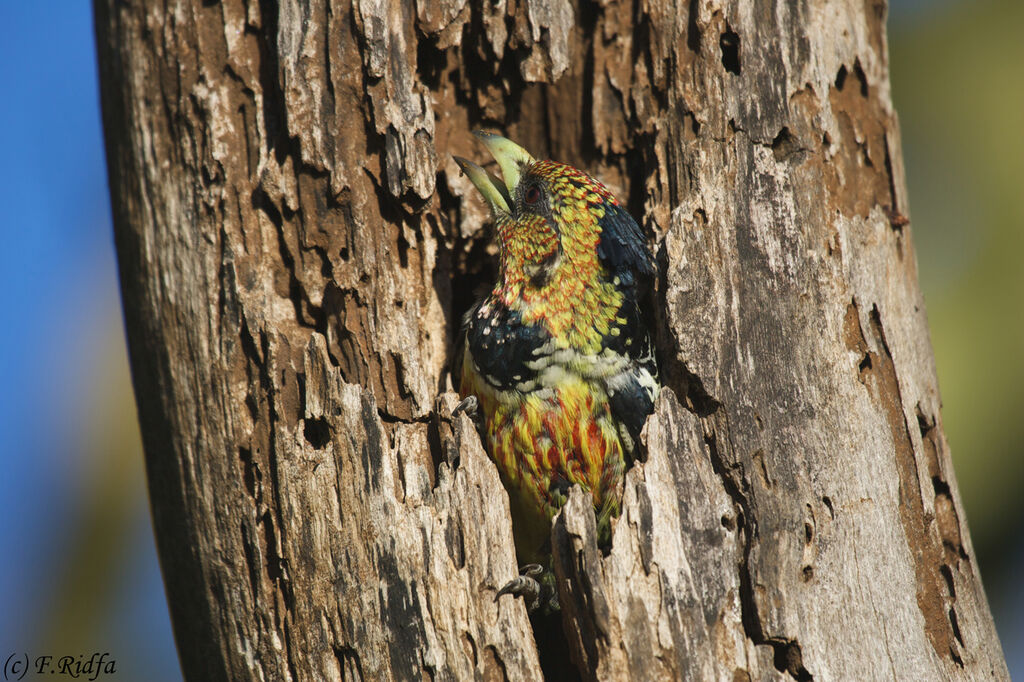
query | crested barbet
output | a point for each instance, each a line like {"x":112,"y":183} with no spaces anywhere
{"x":558,"y":356}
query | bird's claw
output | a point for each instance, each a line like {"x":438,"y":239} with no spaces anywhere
{"x":470,"y":405}
{"x":525,"y":585}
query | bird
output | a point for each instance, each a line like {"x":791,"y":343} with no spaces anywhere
{"x":557,"y":360}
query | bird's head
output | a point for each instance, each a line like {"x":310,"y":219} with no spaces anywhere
{"x":567,"y":249}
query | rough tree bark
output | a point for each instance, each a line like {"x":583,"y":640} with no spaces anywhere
{"x":296,"y":246}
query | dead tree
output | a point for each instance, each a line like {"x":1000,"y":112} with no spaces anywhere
{"x":295,"y":248}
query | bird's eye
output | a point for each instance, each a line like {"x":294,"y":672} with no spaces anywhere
{"x":532,"y":194}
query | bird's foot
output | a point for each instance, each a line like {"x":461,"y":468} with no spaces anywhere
{"x":525,"y":585}
{"x":470,"y":405}
{"x":536,"y":586}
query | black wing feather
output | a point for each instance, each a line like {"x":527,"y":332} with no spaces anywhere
{"x":623,"y":252}
{"x":622,"y":249}
{"x":501,"y":344}
{"x":630,"y":405}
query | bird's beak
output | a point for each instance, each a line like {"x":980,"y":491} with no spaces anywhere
{"x":490,"y":186}
{"x":511,"y":159}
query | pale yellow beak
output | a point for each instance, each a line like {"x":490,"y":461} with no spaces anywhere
{"x":512,"y":160}
{"x":490,"y":186}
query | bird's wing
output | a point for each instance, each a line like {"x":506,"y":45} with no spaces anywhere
{"x":622,"y":249}
{"x":631,"y":392}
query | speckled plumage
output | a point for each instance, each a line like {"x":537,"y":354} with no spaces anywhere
{"x":558,"y":354}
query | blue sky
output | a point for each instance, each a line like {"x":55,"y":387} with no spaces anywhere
{"x":60,"y":305}
{"x":55,"y":220}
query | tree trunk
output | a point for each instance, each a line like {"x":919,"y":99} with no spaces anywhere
{"x":296,"y":247}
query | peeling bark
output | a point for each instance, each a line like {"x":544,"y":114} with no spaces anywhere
{"x":296,"y":247}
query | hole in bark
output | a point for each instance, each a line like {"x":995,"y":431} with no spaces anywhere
{"x":262,"y":201}
{"x":464,"y":273}
{"x":784,"y":146}
{"x":638,"y":167}
{"x":437,"y":449}
{"x":841,"y":78}
{"x":862,"y":78}
{"x":326,"y":267}
{"x":430,"y":63}
{"x":728,"y":522}
{"x":808,"y":533}
{"x":730,"y":44}
{"x":553,"y":647}
{"x":317,"y":432}
{"x":469,"y":644}
{"x":473,"y":274}
{"x":343,"y":254}
{"x":947,"y":573}
{"x":250,"y":399}
{"x":827,"y":501}
{"x":924,"y":425}
{"x":826,"y":140}
{"x":808,"y":574}
{"x":896,"y":219}
{"x":403,"y":250}
{"x":780,"y":139}
{"x":865,"y":363}
{"x":789,"y":659}
{"x":956,"y":626}
{"x":692,"y":30}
